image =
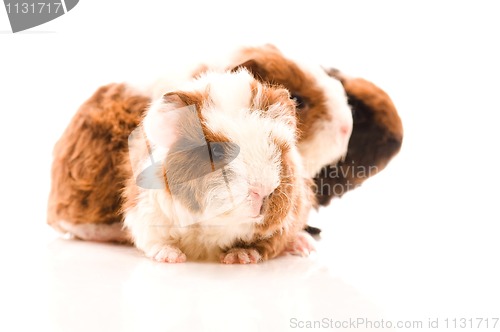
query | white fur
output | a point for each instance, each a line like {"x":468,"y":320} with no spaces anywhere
{"x":302,"y":245}
{"x":96,"y":232}
{"x":155,"y":226}
{"x":230,"y":94}
{"x":154,"y":119}
{"x":328,"y":144}
{"x":158,"y":222}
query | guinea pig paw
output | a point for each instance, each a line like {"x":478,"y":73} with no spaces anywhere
{"x":240,"y":256}
{"x":170,"y":254}
{"x":302,"y":245}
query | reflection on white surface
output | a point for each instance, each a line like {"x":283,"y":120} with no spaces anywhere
{"x":100,"y":287}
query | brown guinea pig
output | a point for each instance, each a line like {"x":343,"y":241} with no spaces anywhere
{"x":85,"y":198}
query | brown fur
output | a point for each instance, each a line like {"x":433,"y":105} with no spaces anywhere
{"x":86,"y":179}
{"x":269,"y":65}
{"x":377,"y":130}
{"x":292,"y":199}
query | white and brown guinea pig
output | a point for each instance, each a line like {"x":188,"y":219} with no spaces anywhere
{"x":343,"y":140}
{"x":234,"y":187}
{"x":367,"y":120}
{"x":86,"y":179}
{"x":323,"y":113}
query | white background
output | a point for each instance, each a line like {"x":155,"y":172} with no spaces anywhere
{"x":420,"y":240}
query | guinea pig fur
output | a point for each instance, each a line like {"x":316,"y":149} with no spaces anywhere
{"x":323,"y":114}
{"x":376,"y":138}
{"x":348,"y":133}
{"x":266,"y":179}
{"x":86,"y":180}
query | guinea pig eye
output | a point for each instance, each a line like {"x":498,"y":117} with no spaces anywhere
{"x":299,"y":101}
{"x":217,"y":152}
{"x":222,"y":153}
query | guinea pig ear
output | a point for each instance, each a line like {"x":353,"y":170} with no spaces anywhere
{"x":161,"y":123}
{"x":283,"y":107}
{"x":178,"y":98}
{"x":335,"y":73}
{"x":257,"y":70}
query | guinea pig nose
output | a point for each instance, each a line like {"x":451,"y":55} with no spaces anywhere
{"x":259,"y":190}
{"x":256,"y":193}
{"x":344,"y":129}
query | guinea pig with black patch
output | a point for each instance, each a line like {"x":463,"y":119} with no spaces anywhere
{"x":376,"y":138}
{"x":346,"y":135}
{"x":324,"y":117}
{"x":348,"y":132}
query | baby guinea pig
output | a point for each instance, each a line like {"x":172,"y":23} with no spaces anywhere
{"x":228,"y":182}
{"x":323,"y":113}
{"x":343,"y":140}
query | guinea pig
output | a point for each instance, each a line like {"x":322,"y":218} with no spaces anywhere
{"x":86,"y":182}
{"x":348,"y":132}
{"x":376,"y":138}
{"x":343,"y":140}
{"x":323,"y":113}
{"x":224,"y":176}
